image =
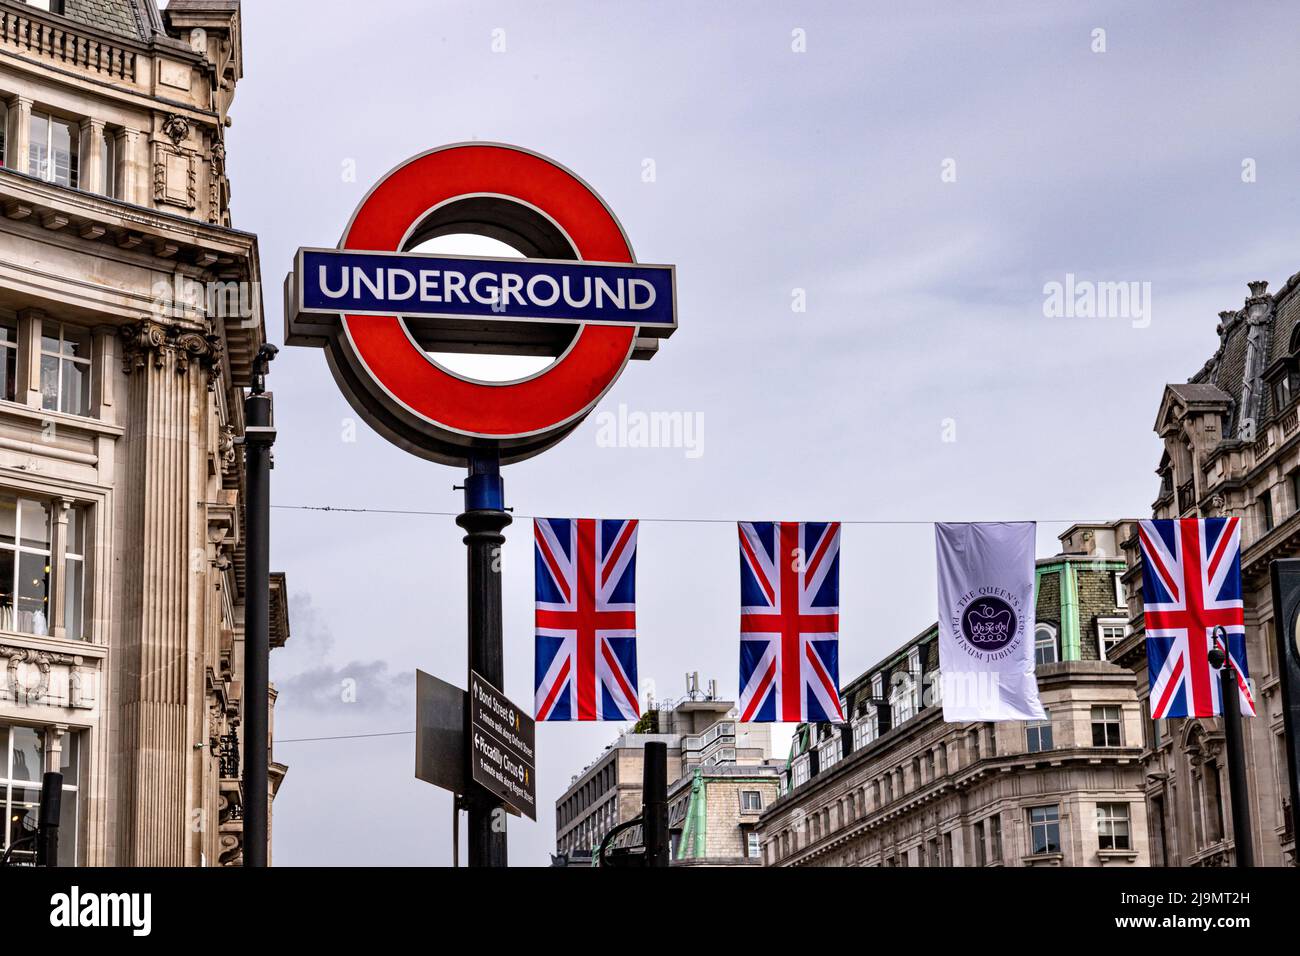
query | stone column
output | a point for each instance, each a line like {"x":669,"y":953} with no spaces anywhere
{"x":131,"y":169}
{"x":29,"y":372}
{"x":59,"y":562}
{"x":92,"y":156}
{"x":169,"y":369}
{"x":20,"y":114}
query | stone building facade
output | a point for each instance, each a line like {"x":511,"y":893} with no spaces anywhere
{"x":713,"y":813}
{"x":130,"y":312}
{"x":1232,"y":448}
{"x":711,"y":757}
{"x":896,"y":786}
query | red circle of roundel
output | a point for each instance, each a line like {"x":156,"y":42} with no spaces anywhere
{"x":565,"y":389}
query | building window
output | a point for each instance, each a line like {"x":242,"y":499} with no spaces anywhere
{"x":1106,"y":725}
{"x":1038,"y":736}
{"x":1112,"y":826}
{"x":4,"y":132}
{"x":1266,"y":509}
{"x":751,"y":800}
{"x":753,"y":847}
{"x":53,"y":6}
{"x":1045,"y":829}
{"x":1110,"y":631}
{"x":1295,"y":487}
{"x":981,"y":854}
{"x":22,"y":766}
{"x":801,"y":771}
{"x":65,"y":368}
{"x":26,"y":533}
{"x":901,"y":704}
{"x":864,"y":728}
{"x":828,"y":753}
{"x":8,"y":359}
{"x":994,"y":827}
{"x":1281,"y":394}
{"x":52,"y":150}
{"x":1120,"y":600}
{"x":1045,"y":651}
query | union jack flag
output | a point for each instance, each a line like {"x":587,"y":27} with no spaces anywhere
{"x":585,"y":663}
{"x":1191,"y":585}
{"x":789,"y":621}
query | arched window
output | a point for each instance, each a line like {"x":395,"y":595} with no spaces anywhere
{"x":1046,"y":650}
{"x":1294,"y":343}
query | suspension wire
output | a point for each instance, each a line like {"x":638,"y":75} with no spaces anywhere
{"x":342,"y":509}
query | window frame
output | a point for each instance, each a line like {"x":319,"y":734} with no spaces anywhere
{"x":1103,"y":623}
{"x":1047,"y":825}
{"x":62,"y":358}
{"x":1107,"y":822}
{"x":753,"y":845}
{"x":10,"y":350}
{"x":1042,"y":627}
{"x":744,"y":808}
{"x":1105,"y":723}
{"x":74,"y":149}
{"x":71,"y":784}
{"x":78,"y":520}
{"x":1037,"y":727}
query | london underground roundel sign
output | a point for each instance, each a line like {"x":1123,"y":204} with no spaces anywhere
{"x":379,"y":309}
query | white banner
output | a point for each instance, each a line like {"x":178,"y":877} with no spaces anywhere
{"x":986,"y":621}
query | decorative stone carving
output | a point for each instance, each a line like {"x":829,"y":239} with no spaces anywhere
{"x":176,"y":128}
{"x":226,"y":447}
{"x":22,"y":691}
{"x":175,"y":177}
{"x":147,"y":339}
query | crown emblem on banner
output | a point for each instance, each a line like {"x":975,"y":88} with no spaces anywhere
{"x":987,"y":626}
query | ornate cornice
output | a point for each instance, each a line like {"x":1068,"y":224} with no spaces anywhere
{"x":149,"y":340}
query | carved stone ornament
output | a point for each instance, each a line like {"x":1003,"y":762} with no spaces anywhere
{"x":176,"y":128}
{"x":30,"y":693}
{"x":147,"y":340}
{"x":226,"y":447}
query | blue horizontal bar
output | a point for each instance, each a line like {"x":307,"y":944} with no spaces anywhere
{"x":410,"y":284}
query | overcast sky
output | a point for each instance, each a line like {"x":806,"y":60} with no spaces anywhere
{"x":827,"y":171}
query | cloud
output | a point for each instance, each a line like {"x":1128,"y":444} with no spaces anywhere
{"x":306,"y":682}
{"x":365,"y":685}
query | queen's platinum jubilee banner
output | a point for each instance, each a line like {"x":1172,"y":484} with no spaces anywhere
{"x":986,"y":621}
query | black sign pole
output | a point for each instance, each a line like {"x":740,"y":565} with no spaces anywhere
{"x":484,"y":519}
{"x":47,"y":820}
{"x":1286,"y":607}
{"x":1242,"y":840}
{"x":654,"y":803}
{"x":259,"y":436}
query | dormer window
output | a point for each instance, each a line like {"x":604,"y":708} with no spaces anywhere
{"x":53,"y":6}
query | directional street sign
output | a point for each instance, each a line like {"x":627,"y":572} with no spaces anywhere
{"x":439,"y":733}
{"x":501,"y":747}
